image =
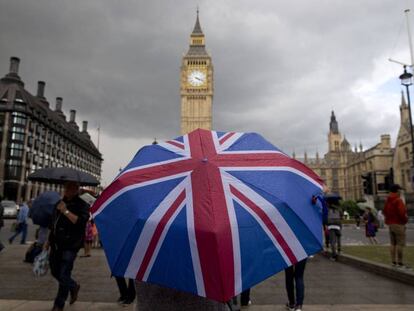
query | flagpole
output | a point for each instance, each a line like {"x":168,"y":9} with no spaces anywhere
{"x":410,"y":41}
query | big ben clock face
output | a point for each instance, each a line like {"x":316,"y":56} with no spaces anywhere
{"x":196,"y":78}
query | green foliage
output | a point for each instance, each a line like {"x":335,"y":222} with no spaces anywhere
{"x":351,"y":207}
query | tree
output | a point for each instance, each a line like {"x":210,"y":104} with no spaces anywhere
{"x":351,"y":207}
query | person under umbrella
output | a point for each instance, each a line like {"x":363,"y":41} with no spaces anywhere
{"x":208,"y":214}
{"x":65,"y":239}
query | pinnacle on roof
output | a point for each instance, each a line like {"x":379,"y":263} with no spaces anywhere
{"x":333,"y":125}
{"x":197,"y":28}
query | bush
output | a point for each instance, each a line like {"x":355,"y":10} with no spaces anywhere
{"x":351,"y":207}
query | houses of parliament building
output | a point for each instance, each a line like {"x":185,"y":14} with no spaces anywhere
{"x":358,"y":174}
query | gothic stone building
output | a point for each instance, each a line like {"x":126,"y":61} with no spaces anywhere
{"x":343,"y":168}
{"x":34,"y":136}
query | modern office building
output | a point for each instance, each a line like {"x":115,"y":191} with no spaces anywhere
{"x":34,"y":136}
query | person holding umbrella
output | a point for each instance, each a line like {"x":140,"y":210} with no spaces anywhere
{"x":65,"y":239}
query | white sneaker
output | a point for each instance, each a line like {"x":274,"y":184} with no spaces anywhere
{"x":289,"y":307}
{"x":298,"y":308}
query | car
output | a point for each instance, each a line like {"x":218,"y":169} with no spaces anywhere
{"x":10,"y":209}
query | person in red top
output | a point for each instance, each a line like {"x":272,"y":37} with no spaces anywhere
{"x":396,"y":217}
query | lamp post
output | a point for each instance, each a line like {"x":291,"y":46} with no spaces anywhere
{"x":407,"y":80}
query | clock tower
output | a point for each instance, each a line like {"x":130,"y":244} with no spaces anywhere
{"x":196,"y":84}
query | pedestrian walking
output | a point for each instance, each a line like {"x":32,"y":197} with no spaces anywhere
{"x":371,"y":226}
{"x":1,"y":223}
{"x":396,"y":218}
{"x":294,"y":281}
{"x":126,"y":291}
{"x":87,"y":244}
{"x":381,"y":219}
{"x":21,"y":226}
{"x":65,"y":240}
{"x":334,"y":225}
{"x":95,"y":242}
{"x":357,"y":219}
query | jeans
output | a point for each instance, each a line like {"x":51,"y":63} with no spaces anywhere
{"x":245,"y":297}
{"x":61,"y":265}
{"x":294,"y":278}
{"x":126,"y":292}
{"x":21,"y":228}
{"x":335,"y":240}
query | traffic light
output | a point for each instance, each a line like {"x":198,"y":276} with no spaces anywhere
{"x":367,"y":183}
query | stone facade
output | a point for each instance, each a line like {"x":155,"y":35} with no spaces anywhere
{"x":196,"y":84}
{"x":342,"y":167}
{"x":34,"y":136}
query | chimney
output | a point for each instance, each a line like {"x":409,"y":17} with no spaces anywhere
{"x":14,"y":65}
{"x":72,"y":116}
{"x":41,"y":89}
{"x":59,"y":103}
{"x":85,"y":126}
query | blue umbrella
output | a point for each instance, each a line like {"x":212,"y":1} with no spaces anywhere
{"x":43,"y":206}
{"x":209,"y":213}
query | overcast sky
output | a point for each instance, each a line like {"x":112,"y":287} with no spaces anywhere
{"x":280,"y":67}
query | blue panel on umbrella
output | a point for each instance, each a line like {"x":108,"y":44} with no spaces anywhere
{"x":252,"y":141}
{"x":259,"y":257}
{"x":220,"y":134}
{"x":151,"y":154}
{"x":290,"y":188}
{"x":173,"y":266}
{"x":180,"y":139}
{"x":125,"y":217}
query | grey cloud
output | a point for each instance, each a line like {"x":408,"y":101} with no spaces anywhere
{"x":280,"y":67}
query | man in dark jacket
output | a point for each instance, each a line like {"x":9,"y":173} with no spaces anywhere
{"x":334,"y":223}
{"x":65,"y":240}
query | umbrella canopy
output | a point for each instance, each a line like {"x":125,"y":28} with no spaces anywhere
{"x":60,"y":175}
{"x":363,"y":206}
{"x":209,"y":213}
{"x":42,"y":208}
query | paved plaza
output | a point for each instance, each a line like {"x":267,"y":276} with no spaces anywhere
{"x":329,"y":285}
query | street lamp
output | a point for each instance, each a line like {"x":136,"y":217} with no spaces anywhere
{"x":407,"y":80}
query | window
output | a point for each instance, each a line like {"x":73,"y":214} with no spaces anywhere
{"x":18,"y":118}
{"x":16,"y":153}
{"x":17,"y":136}
{"x":407,"y":153}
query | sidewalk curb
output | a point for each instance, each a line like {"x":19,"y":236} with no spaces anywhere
{"x":406,"y":277}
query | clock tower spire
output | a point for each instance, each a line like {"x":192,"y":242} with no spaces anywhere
{"x":196,"y":84}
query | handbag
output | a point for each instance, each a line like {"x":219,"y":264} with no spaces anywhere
{"x":41,"y":264}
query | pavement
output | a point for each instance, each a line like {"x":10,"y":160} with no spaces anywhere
{"x":329,"y":285}
{"x":24,"y":305}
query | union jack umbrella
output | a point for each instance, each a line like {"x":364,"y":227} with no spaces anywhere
{"x":209,"y":213}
